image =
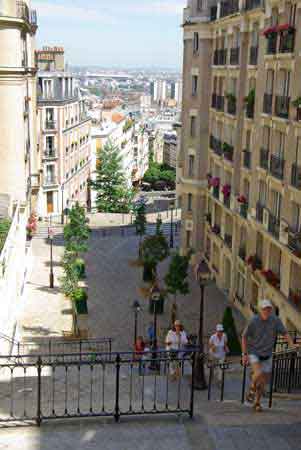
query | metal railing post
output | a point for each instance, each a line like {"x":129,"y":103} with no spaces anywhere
{"x":191,"y":411}
{"x":39,"y":419}
{"x":117,"y":410}
{"x":244,"y":379}
{"x":211,"y":370}
{"x":223,"y":382}
{"x":272,"y":384}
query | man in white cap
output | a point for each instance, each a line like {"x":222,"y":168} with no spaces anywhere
{"x":258,"y":341}
{"x":218,"y":346}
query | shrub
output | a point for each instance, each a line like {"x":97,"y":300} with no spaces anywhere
{"x":80,"y":267}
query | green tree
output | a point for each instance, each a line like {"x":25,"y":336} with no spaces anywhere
{"x":140,"y":222}
{"x":154,"y":249}
{"x":176,"y":279}
{"x":112,"y":193}
{"x":76,"y":232}
{"x":230,"y":330}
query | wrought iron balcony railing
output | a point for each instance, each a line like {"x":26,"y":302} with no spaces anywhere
{"x":50,"y":153}
{"x":50,"y":125}
{"x":218,"y":102}
{"x":287,"y":42}
{"x":277,"y":166}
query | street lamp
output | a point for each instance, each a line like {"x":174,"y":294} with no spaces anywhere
{"x":136,"y":308}
{"x":155,"y":296}
{"x":203,"y":276}
{"x":51,"y":278}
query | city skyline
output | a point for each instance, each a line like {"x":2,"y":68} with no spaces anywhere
{"x":86,"y":28}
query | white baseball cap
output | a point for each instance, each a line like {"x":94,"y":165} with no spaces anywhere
{"x":219,"y":327}
{"x":265,"y":304}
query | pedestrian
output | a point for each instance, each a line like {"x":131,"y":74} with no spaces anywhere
{"x":176,"y":340}
{"x":139,"y":352}
{"x":218,"y":348}
{"x":258,"y":341}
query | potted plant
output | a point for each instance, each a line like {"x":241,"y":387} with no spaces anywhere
{"x":270,"y":31}
{"x":250,"y":102}
{"x":215,"y":181}
{"x":242,"y":199}
{"x":226,"y":190}
{"x":80,"y":297}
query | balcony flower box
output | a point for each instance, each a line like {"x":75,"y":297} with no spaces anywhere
{"x":285,"y":27}
{"x":270,"y":31}
{"x":226,"y":190}
{"x":271,"y":278}
{"x":214,"y":182}
{"x":242,"y":199}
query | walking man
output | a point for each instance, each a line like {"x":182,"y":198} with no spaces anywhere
{"x":258,"y":341}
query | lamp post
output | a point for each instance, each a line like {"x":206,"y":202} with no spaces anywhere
{"x":136,"y":308}
{"x":155,"y":296}
{"x":62,"y":216}
{"x":203,"y":276}
{"x":171,"y":240}
{"x":51,"y":277}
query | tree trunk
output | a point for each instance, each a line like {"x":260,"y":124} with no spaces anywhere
{"x":174,"y":310}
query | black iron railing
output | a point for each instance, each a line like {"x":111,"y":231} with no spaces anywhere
{"x":247,"y":159}
{"x":282,"y":104}
{"x":216,"y":145}
{"x":296,"y":176}
{"x":272,"y":44}
{"x":97,"y":385}
{"x":264,"y":158}
{"x":50,"y":153}
{"x":234,"y":56}
{"x":294,"y":242}
{"x":50,"y":125}
{"x":218,"y":102}
{"x":253,"y":56}
{"x":267,"y":103}
{"x":277,"y":166}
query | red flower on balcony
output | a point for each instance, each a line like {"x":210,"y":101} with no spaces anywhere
{"x":214,"y":182}
{"x":270,"y":30}
{"x":242,"y":199}
{"x":285,"y":27}
{"x":271,"y":277}
{"x":226,"y":190}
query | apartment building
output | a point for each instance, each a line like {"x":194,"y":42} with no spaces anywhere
{"x":64,"y":144}
{"x":19,"y":181}
{"x":239,"y":165}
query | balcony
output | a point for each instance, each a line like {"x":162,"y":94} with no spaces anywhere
{"x":228,"y":151}
{"x":271,"y":44}
{"x":294,"y":242}
{"x":274,"y":225}
{"x":218,"y":102}
{"x":282,"y":104}
{"x":296,"y":176}
{"x":228,"y":240}
{"x":253,"y":56}
{"x":234,"y":56}
{"x":50,"y":125}
{"x":216,"y":145}
{"x":277,"y":167}
{"x":287,"y":42}
{"x":229,"y":7}
{"x":259,"y":212}
{"x":50,"y":153}
{"x":267,"y":103}
{"x":264,"y":158}
{"x":50,"y":181}
{"x":247,"y":159}
{"x":252,"y":4}
{"x":220,"y":57}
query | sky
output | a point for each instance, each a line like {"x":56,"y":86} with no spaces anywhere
{"x":124,"y":33}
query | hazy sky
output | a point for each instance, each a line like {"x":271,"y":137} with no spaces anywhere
{"x":113,"y":32}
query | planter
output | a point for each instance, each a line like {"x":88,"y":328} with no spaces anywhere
{"x":81,"y":307}
{"x":159,"y":306}
{"x":80,"y":268}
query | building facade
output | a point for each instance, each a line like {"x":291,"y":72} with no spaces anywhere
{"x":239,"y":165}
{"x":64,"y":144}
{"x":19,"y":181}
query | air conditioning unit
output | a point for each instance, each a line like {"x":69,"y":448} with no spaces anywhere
{"x":189,"y":225}
{"x":265,"y":219}
{"x":283,"y":235}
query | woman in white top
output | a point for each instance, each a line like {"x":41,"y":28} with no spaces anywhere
{"x":218,"y":345}
{"x":176,"y":340}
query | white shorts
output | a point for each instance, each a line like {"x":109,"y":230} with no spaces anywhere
{"x":266,"y":365}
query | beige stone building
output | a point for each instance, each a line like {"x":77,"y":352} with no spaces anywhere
{"x":64,"y":135}
{"x":19,"y":179}
{"x":239,"y":166}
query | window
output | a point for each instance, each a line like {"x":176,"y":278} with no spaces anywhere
{"x":199,"y":5}
{"x":189,"y":202}
{"x":240,"y":289}
{"x":298,"y":153}
{"x":195,"y":42}
{"x":284,"y":77}
{"x":190,"y":165}
{"x":296,"y":211}
{"x":276,"y":203}
{"x":49,"y":143}
{"x":266,"y":134}
{"x":269,"y":82}
{"x":188,"y":239}
{"x":192,"y":126}
{"x":194,"y":85}
{"x":280,"y":144}
{"x":248,"y":139}
{"x":262,"y":198}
